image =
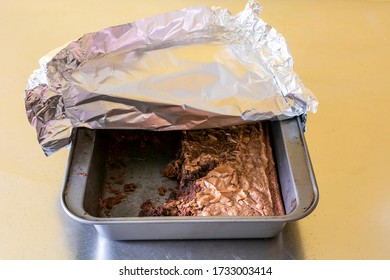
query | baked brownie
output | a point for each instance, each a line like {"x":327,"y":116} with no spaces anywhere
{"x":223,"y":172}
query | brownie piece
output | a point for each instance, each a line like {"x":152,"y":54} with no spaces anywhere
{"x":224,"y":172}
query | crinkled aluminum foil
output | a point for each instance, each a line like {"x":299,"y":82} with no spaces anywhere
{"x":194,"y":68}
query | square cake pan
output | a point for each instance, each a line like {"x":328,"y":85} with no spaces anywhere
{"x":86,"y":181}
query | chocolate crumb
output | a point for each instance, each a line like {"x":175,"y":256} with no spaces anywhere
{"x":172,"y":169}
{"x":111,"y":201}
{"x":147,"y":203}
{"x":102,"y":204}
{"x":162,"y":191}
{"x":147,"y":208}
{"x":129,"y":187}
{"x":114,"y":191}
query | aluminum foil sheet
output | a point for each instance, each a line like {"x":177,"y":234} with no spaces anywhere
{"x":194,"y":68}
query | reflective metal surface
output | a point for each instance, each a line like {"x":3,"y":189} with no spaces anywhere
{"x":341,"y":53}
{"x":198,"y":67}
{"x":87,"y":244}
{"x":87,"y":183}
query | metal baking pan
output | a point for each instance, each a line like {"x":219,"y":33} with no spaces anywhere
{"x":87,"y":177}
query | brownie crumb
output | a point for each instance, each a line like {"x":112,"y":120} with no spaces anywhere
{"x":119,"y":195}
{"x":129,"y":187}
{"x":111,"y":201}
{"x":102,"y":204}
{"x":148,"y":209}
{"x":162,"y":191}
{"x":172,"y":169}
{"x":146,"y":204}
{"x":114,"y":191}
{"x":174,"y":195}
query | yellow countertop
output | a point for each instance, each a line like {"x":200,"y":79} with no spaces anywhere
{"x":341,"y":52}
